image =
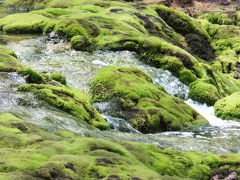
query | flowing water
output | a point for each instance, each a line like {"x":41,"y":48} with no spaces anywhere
{"x":220,"y":136}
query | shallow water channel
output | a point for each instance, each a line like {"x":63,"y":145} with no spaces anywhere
{"x":221,"y":136}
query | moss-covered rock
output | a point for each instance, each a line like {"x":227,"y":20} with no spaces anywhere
{"x":65,"y":155}
{"x":80,"y":43}
{"x":228,"y":107}
{"x":32,"y":76}
{"x":196,"y":37}
{"x":68,"y":99}
{"x":145,"y":105}
{"x":204,"y":92}
{"x":23,"y":23}
{"x":8,"y":61}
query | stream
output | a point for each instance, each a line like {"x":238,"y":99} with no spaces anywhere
{"x":220,"y":137}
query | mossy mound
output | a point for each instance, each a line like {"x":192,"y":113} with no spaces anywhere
{"x":222,"y":18}
{"x":145,"y":105}
{"x":8,"y":61}
{"x":23,"y":23}
{"x":204,"y":92}
{"x":226,"y":39}
{"x":228,"y":107}
{"x":196,"y":37}
{"x":61,"y":96}
{"x":65,"y":155}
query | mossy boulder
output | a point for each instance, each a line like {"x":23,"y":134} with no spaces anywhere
{"x":196,"y":37}
{"x":204,"y":92}
{"x":32,"y":76}
{"x":8,"y":61}
{"x":145,"y":105}
{"x":228,"y":107}
{"x":65,"y":155}
{"x":68,"y":99}
{"x":80,"y":43}
{"x":23,"y":23}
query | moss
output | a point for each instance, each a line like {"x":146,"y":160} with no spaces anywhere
{"x":196,"y":37}
{"x":23,"y":23}
{"x":225,"y":39}
{"x":228,"y":107}
{"x":68,"y":99}
{"x":221,"y":18}
{"x":59,"y":77}
{"x":8,"y":61}
{"x":145,"y":105}
{"x":68,"y":156}
{"x":204,"y":92}
{"x":80,"y":43}
{"x":32,"y":76}
{"x":187,"y":76}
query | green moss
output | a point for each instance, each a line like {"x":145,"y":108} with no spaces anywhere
{"x":32,"y":76}
{"x":69,"y":156}
{"x":228,"y":107}
{"x":204,"y":92}
{"x":23,"y":23}
{"x":58,"y":77}
{"x":196,"y":37}
{"x":220,"y":18}
{"x":187,"y":76}
{"x":80,"y":43}
{"x":145,"y":105}
{"x":68,"y":99}
{"x":8,"y":61}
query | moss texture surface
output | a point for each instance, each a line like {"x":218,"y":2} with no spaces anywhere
{"x":28,"y":152}
{"x":145,"y":105}
{"x":192,"y":49}
{"x":66,"y":98}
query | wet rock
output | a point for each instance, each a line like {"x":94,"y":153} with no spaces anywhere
{"x":146,"y":106}
{"x":225,"y":175}
{"x":53,"y":37}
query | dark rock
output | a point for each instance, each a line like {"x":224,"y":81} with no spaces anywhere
{"x":136,"y":178}
{"x":22,"y":127}
{"x":70,"y":166}
{"x":103,"y":161}
{"x":114,"y":177}
{"x":236,"y":76}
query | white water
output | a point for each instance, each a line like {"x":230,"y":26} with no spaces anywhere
{"x":80,"y":67}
